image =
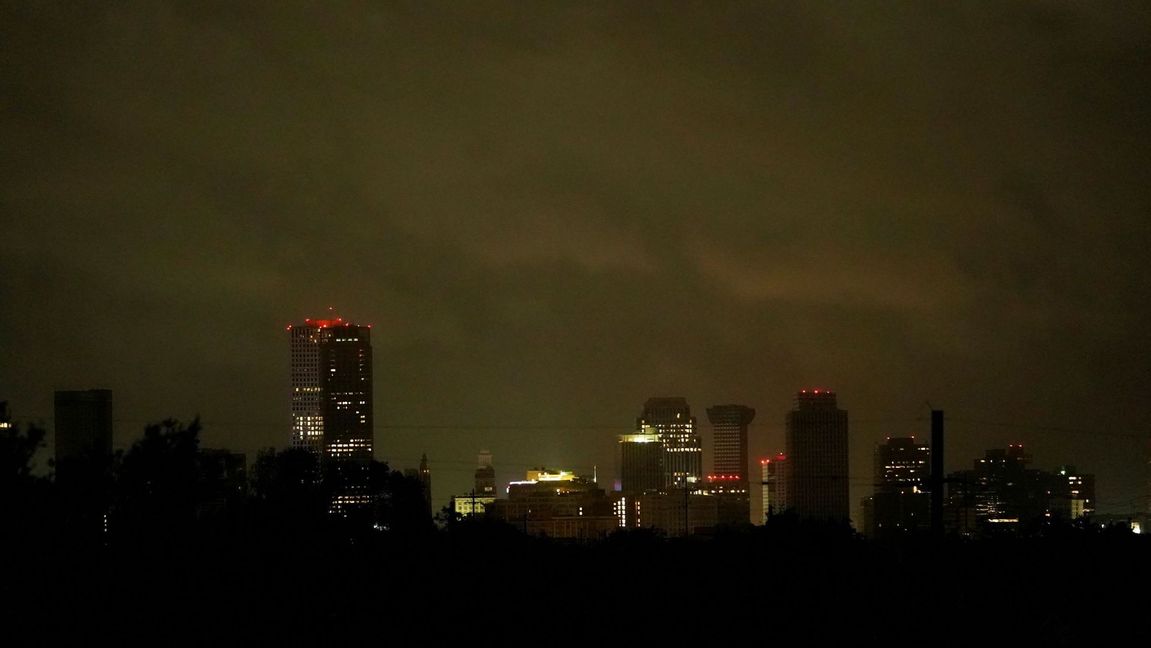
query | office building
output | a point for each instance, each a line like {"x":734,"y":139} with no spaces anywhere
{"x":331,"y":403}
{"x":483,"y":491}
{"x":641,"y":462}
{"x":557,"y":504}
{"x":672,"y":422}
{"x":900,"y":504}
{"x":729,"y":479}
{"x":485,"y":476}
{"x":1002,"y":492}
{"x":817,"y":458}
{"x":1072,"y":494}
{"x":773,"y":485}
{"x":83,"y":436}
{"x":424,"y":476}
{"x":83,"y":459}
{"x":729,"y":440}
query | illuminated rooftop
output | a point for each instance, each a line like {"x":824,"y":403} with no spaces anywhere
{"x":326,"y":323}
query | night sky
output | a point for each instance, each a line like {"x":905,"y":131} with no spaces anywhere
{"x":550,"y":212}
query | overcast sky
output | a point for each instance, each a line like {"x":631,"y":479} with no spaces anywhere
{"x":552,"y":211}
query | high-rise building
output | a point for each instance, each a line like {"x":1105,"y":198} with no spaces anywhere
{"x":817,"y":459}
{"x":773,"y":484}
{"x":331,"y":376}
{"x":1072,"y":493}
{"x":900,"y":503}
{"x":424,"y":476}
{"x":729,"y":424}
{"x":485,"y":485}
{"x":641,"y":462}
{"x":83,"y":458}
{"x":83,"y":435}
{"x":682,"y":447}
{"x":729,"y":479}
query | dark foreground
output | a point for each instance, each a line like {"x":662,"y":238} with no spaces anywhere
{"x":491,"y":584}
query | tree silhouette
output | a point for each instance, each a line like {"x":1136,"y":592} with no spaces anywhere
{"x":26,"y":501}
{"x":157,"y":484}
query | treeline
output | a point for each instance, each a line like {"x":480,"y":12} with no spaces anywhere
{"x":186,"y":559}
{"x":166,"y":491}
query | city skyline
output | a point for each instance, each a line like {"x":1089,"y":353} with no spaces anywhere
{"x":551,"y":213}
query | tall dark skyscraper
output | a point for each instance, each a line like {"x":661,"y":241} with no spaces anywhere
{"x":331,"y":371}
{"x":682,"y":447}
{"x":817,"y":464}
{"x":84,"y":426}
{"x":641,"y":462}
{"x":729,"y":479}
{"x":83,"y":433}
{"x":729,"y":423}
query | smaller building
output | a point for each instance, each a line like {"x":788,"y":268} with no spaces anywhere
{"x":674,"y":514}
{"x":424,"y":476}
{"x":557,"y":504}
{"x":1002,"y":492}
{"x":773,"y":485}
{"x":469,"y":505}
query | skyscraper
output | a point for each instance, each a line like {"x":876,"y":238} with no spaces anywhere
{"x":83,"y":434}
{"x":424,"y":476}
{"x":682,"y":448}
{"x":331,"y":371}
{"x":817,"y":466}
{"x":773,"y":484}
{"x":485,"y":485}
{"x":729,"y":479}
{"x":84,"y":457}
{"x":641,"y":462}
{"x":729,"y":423}
{"x":900,"y":504}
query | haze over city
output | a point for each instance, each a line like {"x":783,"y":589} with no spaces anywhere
{"x":552,"y":212}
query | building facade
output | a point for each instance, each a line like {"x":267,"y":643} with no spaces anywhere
{"x":729,"y":479}
{"x":900,"y":503}
{"x":817,"y":458}
{"x":423,"y":475}
{"x":773,"y":485}
{"x":485,"y":475}
{"x":641,"y":462}
{"x":1002,"y":492}
{"x":557,"y":504}
{"x":83,"y":458}
{"x":671,"y":420}
{"x":331,"y":403}
{"x":84,"y":427}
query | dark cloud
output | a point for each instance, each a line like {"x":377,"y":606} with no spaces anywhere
{"x":550,"y":213}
